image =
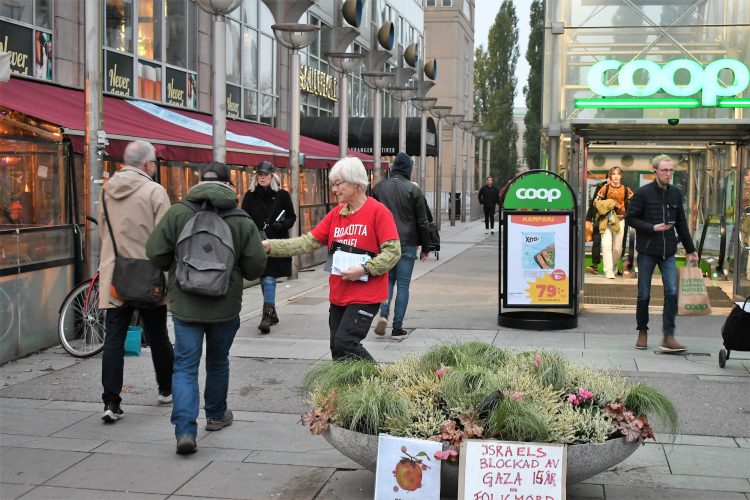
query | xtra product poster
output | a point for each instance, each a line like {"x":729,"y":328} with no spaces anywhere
{"x":541,"y":244}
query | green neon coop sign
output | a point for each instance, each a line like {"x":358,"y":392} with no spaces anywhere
{"x":624,"y":92}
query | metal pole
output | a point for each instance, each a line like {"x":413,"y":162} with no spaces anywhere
{"x":294,"y":124}
{"x":439,"y":174}
{"x":376,"y":144}
{"x":489,"y":156}
{"x":481,"y":161}
{"x":423,"y":151}
{"x":452,"y":204}
{"x":343,"y":115}
{"x":464,"y":174}
{"x":402,"y":127}
{"x":94,"y":148}
{"x":219,"y":76}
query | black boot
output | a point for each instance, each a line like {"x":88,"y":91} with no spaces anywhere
{"x":274,"y":316}
{"x":265,"y":322}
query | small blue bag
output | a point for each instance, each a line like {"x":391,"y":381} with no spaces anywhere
{"x":133,"y":341}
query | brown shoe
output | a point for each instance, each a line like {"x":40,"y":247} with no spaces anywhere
{"x":642,"y":342}
{"x":671,"y":345}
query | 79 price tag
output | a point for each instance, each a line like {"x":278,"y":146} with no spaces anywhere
{"x":549,"y":289}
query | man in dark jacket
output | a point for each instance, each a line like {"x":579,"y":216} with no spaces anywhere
{"x":403,"y":199}
{"x":196,"y":316}
{"x":489,"y":196}
{"x":655,"y":212}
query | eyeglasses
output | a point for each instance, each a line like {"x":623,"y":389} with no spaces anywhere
{"x":666,"y":170}
{"x":336,"y":184}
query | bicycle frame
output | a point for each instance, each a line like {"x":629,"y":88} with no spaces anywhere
{"x":90,"y":281}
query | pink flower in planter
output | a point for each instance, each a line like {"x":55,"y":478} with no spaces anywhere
{"x":573,"y":399}
{"x":584,"y":394}
{"x":537,"y":360}
{"x":518,"y":396}
{"x":440,"y":372}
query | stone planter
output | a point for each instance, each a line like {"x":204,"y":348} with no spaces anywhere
{"x":584,"y":460}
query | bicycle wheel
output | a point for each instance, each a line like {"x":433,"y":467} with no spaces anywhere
{"x":81,"y":323}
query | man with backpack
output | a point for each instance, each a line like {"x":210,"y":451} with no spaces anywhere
{"x":208,"y":245}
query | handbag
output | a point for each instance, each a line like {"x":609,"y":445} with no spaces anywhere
{"x":137,"y":282}
{"x":692,"y":296}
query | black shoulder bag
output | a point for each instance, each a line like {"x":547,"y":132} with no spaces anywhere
{"x":137,"y":282}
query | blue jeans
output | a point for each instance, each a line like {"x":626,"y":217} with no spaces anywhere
{"x":188,"y":348}
{"x":668,"y":268}
{"x":400,"y":275}
{"x":268,"y":286}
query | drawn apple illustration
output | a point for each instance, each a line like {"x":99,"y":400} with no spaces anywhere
{"x":408,"y":471}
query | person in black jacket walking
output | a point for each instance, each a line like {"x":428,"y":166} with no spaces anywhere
{"x":271,"y":209}
{"x":655,"y":212}
{"x":404,"y":199}
{"x":489,"y":197}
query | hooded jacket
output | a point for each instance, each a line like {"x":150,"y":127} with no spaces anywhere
{"x":653,"y":205}
{"x":403,"y":199}
{"x":250,"y":258}
{"x":135,"y":204}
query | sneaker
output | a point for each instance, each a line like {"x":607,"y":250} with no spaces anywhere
{"x":112,"y":413}
{"x":610,"y":276}
{"x":399,"y":334}
{"x":165,"y":398}
{"x":592,"y":270}
{"x":671,"y":345}
{"x":486,"y":231}
{"x":380,"y":326}
{"x":642,"y":342}
{"x":186,"y":444}
{"x":217,"y":424}
{"x":492,"y":231}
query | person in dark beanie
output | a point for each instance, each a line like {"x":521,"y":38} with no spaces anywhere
{"x":198,"y":317}
{"x":271,"y":209}
{"x":403,"y":199}
{"x":489,"y":197}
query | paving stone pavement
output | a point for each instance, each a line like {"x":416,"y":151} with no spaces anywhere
{"x":53,"y":444}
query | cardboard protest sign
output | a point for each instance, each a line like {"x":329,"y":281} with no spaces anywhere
{"x":407,"y":469}
{"x":500,"y":470}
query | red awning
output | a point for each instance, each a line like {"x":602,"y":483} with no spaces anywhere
{"x":124,"y":122}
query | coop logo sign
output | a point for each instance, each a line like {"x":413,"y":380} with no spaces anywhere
{"x":718,"y":84}
{"x":542,"y":194}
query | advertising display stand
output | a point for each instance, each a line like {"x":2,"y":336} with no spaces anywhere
{"x":538,"y":246}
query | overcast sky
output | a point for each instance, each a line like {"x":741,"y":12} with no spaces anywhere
{"x":484,"y":17}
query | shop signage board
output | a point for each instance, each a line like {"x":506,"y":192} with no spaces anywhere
{"x":681,"y":83}
{"x":501,"y":470}
{"x":537,"y":252}
{"x":118,"y":72}
{"x":314,"y":81}
{"x":234,"y":97}
{"x":177,"y":92}
{"x":19,"y":43}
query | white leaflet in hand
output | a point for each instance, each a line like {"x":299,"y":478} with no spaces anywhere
{"x":344,"y":260}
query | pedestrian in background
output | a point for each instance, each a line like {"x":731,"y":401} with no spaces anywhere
{"x":404,"y":199}
{"x":657,"y":214}
{"x":489,"y":197}
{"x":197,"y":316}
{"x":611,"y":202}
{"x":271,"y":209}
{"x":135,"y":204}
{"x":360,"y":227}
{"x":596,"y":236}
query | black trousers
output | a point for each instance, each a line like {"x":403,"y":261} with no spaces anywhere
{"x":349,"y":326}
{"x":489,"y":216}
{"x":596,"y":246}
{"x":116,"y":328}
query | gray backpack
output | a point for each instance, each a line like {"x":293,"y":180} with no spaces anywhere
{"x":205,"y":251}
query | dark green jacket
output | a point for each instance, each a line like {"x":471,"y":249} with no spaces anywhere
{"x":249,"y":254}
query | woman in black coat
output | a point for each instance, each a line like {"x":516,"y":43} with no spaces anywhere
{"x":271,"y":209}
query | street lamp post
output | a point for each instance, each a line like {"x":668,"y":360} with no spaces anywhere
{"x":376,"y":80}
{"x":423,"y":105}
{"x":466,"y":126}
{"x":218,"y":9}
{"x":453,"y":121}
{"x":439,"y":112}
{"x":480,"y":163}
{"x":401,"y":95}
{"x":344,"y":63}
{"x":294,"y":37}
{"x":489,"y":136}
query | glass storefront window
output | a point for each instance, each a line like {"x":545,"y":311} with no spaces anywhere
{"x":119,"y":25}
{"x":234,"y":52}
{"x":42,"y":14}
{"x":149,"y":29}
{"x":30,"y":49}
{"x":176,"y":33}
{"x":250,"y":12}
{"x":18,"y":11}
{"x":250,"y":50}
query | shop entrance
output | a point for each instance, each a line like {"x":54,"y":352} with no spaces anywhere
{"x":712,"y":169}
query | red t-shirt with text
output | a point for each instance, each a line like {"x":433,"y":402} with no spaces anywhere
{"x":365,"y":229}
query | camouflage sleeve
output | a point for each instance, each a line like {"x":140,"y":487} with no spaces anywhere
{"x":294,"y":246}
{"x":390,"y":252}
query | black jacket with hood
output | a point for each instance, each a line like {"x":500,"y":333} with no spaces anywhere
{"x":653,"y":205}
{"x":403,"y":199}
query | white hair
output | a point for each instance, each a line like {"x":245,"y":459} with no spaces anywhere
{"x":138,"y":153}
{"x":275,"y":182}
{"x":350,"y":169}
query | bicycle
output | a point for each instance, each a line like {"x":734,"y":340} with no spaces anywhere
{"x":80,"y":326}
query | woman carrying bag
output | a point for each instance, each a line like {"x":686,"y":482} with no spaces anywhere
{"x":271,"y":209}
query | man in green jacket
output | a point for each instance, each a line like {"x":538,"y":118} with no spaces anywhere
{"x":197,"y":315}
